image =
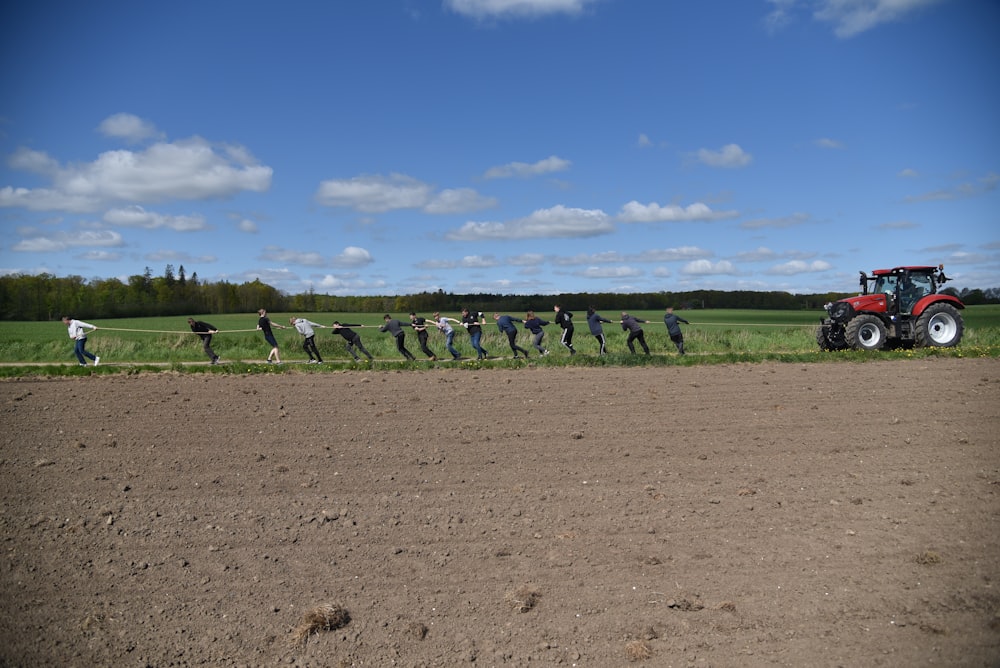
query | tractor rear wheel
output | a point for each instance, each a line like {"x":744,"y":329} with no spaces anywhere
{"x":866,"y":332}
{"x":939,"y":325}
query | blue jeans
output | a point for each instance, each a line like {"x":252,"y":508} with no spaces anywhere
{"x":81,"y":351}
{"x":449,"y":339}
{"x":476,"y":336}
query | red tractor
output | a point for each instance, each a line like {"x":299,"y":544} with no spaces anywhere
{"x":898,"y":307}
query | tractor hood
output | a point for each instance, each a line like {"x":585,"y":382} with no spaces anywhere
{"x":874,"y":302}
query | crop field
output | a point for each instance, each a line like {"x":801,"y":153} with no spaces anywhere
{"x":722,"y":335}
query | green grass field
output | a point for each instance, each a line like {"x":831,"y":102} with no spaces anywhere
{"x":725,"y":335}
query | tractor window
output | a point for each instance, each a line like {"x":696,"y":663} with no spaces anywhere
{"x":912,"y":289}
{"x":885,"y":284}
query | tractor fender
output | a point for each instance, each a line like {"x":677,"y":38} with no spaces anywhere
{"x":922,"y":305}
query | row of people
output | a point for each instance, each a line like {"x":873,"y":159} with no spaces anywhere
{"x":472,"y":322}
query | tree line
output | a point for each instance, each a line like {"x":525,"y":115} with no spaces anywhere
{"x":48,"y":297}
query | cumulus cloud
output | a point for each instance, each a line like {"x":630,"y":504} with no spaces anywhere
{"x":377,"y":194}
{"x":730,"y":156}
{"x":248,"y":226}
{"x":467,"y":262}
{"x":129,"y":127}
{"x":557,"y":222}
{"x":708,"y":268}
{"x":634,"y":212}
{"x":186,"y":170}
{"x":609,"y":272}
{"x":178,"y":256}
{"x":486,"y":9}
{"x":799,"y":267}
{"x":458,"y":200}
{"x":908,"y":173}
{"x":550,"y":164}
{"x":136,"y":216}
{"x":352,"y":256}
{"x":35,"y":242}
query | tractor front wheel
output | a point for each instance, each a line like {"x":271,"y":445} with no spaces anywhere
{"x":830,"y":337}
{"x":866,"y":332}
{"x":940,"y":325}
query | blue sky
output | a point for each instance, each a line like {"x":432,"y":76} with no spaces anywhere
{"x":507,"y":146}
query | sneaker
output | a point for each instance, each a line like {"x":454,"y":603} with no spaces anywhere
{"x":544,"y":353}
{"x":97,"y":360}
{"x":82,"y":364}
{"x":215,"y":360}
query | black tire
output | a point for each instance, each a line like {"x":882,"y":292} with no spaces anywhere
{"x":830,"y":337}
{"x":866,"y":332}
{"x":940,"y":325}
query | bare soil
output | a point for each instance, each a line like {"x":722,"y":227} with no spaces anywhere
{"x":745,"y":515}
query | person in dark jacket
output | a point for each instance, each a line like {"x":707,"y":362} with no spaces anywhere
{"x":505,"y":324}
{"x":264,"y":324}
{"x":564,"y":319}
{"x":352,"y":339}
{"x":473,"y":323}
{"x":534,"y":324}
{"x":674,"y":329}
{"x":205,"y":331}
{"x":419,"y":325}
{"x":594,"y":321}
{"x":631,"y":325}
{"x":395,"y":327}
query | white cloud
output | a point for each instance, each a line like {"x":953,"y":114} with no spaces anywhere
{"x":375,"y":194}
{"x":526,"y":260}
{"x":60,"y":241}
{"x":981,"y":186}
{"x":178,"y":256}
{"x":458,"y":200}
{"x":484,"y":9}
{"x":634,"y":212}
{"x":557,"y":222}
{"x":128,"y":127}
{"x":908,"y":173}
{"x":187,"y":170}
{"x":549,"y":165}
{"x":609,"y":272}
{"x":248,"y":226}
{"x":644,"y":141}
{"x":352,"y":256}
{"x":100,"y":256}
{"x":729,"y":156}
{"x":799,"y":267}
{"x":707,"y":268}
{"x":467,"y":262}
{"x":761,"y":254}
{"x":777,"y":223}
{"x":286,"y":256}
{"x":852,"y":17}
{"x":136,"y":216}
{"x":378,"y":194}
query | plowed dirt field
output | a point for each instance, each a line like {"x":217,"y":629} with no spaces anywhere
{"x":829,"y":514}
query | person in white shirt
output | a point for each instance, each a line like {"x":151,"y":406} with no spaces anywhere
{"x":305,"y":328}
{"x":77,"y":332}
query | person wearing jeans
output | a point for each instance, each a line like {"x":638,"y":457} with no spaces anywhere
{"x":76,"y":332}
{"x":441,"y":322}
{"x":473,"y":322}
